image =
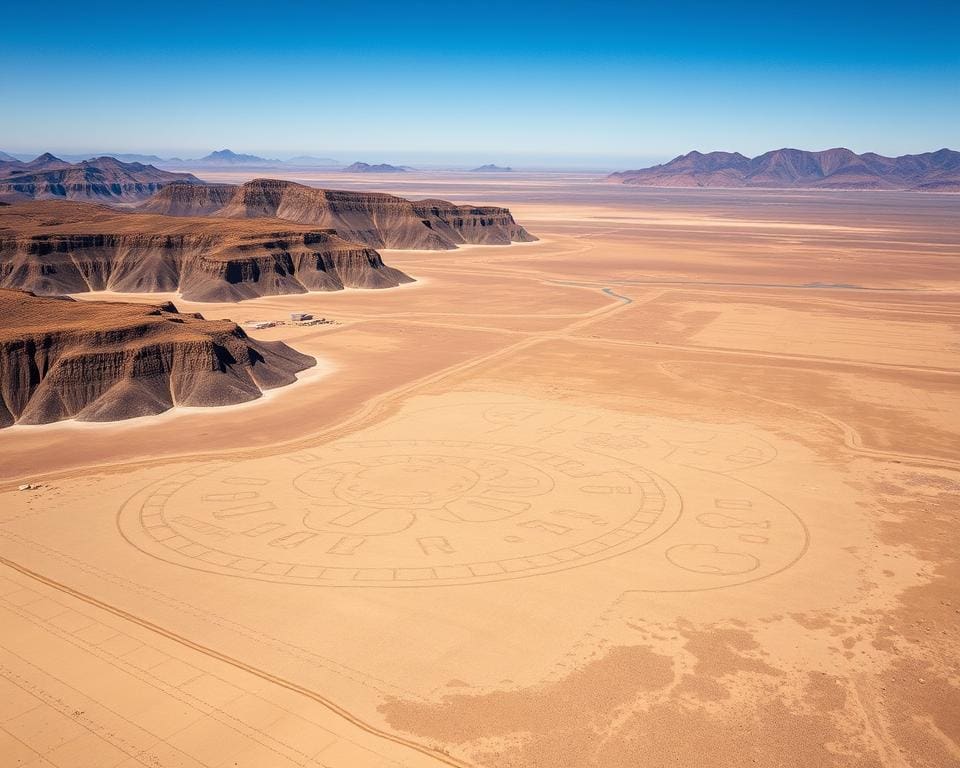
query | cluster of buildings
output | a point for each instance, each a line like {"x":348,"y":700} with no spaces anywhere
{"x":296,"y":318}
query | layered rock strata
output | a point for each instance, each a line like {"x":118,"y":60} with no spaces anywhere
{"x":57,"y":248}
{"x":106,"y":361}
{"x":375,"y":219}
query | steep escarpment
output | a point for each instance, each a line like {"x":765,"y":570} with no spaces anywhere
{"x":56,"y":248}
{"x":484,"y":225}
{"x":103,"y":179}
{"x":104,"y":361}
{"x":375,"y":219}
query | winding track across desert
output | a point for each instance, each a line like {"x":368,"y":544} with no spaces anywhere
{"x":675,"y":485}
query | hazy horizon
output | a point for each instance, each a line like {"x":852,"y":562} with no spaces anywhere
{"x":421,"y":161}
{"x":426,"y":160}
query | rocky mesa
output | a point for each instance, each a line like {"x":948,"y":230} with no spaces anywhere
{"x":103,"y":179}
{"x":55,"y":247}
{"x":375,"y":219}
{"x":107,"y":361}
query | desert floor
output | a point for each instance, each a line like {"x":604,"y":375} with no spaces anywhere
{"x":676,"y":485}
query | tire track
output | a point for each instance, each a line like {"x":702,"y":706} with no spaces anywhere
{"x":233,"y":662}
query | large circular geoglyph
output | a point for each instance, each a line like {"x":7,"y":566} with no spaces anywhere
{"x":663,"y":505}
{"x":401,"y":513}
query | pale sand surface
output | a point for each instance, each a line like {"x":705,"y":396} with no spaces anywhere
{"x":676,"y":485}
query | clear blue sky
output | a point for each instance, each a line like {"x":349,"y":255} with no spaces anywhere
{"x":491,"y":80}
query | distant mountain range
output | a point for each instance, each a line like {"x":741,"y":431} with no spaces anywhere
{"x":799,"y":169}
{"x":103,"y":179}
{"x":225,"y":158}
{"x":378,"y":168}
{"x":125,"y":157}
{"x":491,"y":168}
{"x":222,"y":158}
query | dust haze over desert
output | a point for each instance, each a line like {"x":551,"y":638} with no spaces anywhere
{"x":516,"y":386}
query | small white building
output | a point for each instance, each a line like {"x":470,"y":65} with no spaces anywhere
{"x":299,"y":317}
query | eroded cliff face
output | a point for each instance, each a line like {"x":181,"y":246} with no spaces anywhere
{"x":190,"y":199}
{"x":105,"y":361}
{"x":206,"y":261}
{"x":375,"y":219}
{"x":483,"y":225}
{"x":43,"y":188}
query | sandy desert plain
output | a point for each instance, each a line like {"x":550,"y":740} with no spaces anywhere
{"x":676,"y":485}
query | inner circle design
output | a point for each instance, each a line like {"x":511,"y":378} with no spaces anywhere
{"x":426,"y":481}
{"x":401,"y":513}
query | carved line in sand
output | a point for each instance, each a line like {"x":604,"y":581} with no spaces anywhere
{"x":413,"y":513}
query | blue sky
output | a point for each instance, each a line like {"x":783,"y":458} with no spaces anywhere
{"x":597,"y":83}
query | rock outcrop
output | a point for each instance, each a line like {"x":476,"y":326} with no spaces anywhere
{"x":190,"y":200}
{"x":54,"y":248}
{"x":226,"y":157}
{"x":798,"y":169}
{"x":103,"y":179}
{"x":374,"y":168}
{"x":375,"y":219}
{"x":105,"y":361}
{"x":44,"y":162}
